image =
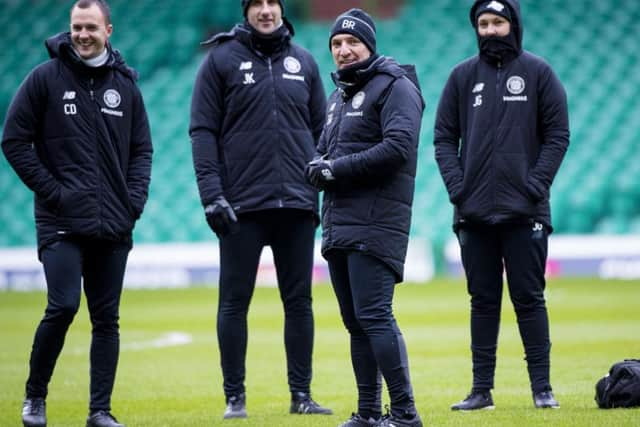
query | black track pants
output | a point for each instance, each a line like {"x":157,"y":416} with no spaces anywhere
{"x":364,"y":287}
{"x":522,"y":251}
{"x":98,"y":266}
{"x":290,"y":234}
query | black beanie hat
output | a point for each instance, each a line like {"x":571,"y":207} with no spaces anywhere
{"x":495,"y":7}
{"x":246,"y":3}
{"x":358,"y":23}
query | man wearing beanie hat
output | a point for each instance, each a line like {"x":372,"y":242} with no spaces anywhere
{"x":366,"y":164}
{"x":501,"y":132}
{"x":256,"y":115}
{"x":359,"y":24}
{"x":246,"y":3}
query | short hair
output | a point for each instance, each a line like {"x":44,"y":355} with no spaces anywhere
{"x":102,"y":4}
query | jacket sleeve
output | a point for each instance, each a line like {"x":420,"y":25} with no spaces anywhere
{"x":400,"y":120}
{"x":20,"y":137}
{"x":317,"y":102}
{"x":446,"y":139}
{"x":207,"y":111}
{"x":553,"y":120}
{"x":141,"y":151}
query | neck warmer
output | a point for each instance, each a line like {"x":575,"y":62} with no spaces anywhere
{"x":268,"y":43}
{"x":498,"y":50}
{"x":350,"y":79}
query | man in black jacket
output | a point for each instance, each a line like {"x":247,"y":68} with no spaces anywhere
{"x":77,"y":135}
{"x":501,"y":132}
{"x":366,"y":165}
{"x":256,"y":115}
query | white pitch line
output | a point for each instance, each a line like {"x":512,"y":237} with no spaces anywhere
{"x":171,"y":339}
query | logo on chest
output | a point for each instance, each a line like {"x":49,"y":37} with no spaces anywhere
{"x":292,"y":66}
{"x":69,"y":108}
{"x":112,"y":99}
{"x":356,"y":103}
{"x":479,"y":87}
{"x":515,"y":86}
{"x":358,"y":100}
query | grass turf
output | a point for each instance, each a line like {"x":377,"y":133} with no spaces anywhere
{"x":593,"y":324}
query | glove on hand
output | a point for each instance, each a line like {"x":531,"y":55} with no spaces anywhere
{"x":319,"y":172}
{"x":220,"y":216}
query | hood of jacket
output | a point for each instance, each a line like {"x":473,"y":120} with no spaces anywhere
{"x":241,"y":31}
{"x":516,"y":18}
{"x":61,"y":47}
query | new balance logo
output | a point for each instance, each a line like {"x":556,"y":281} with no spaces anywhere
{"x":246,"y":65}
{"x":479,"y":87}
{"x":248,"y":79}
{"x":68,"y":95}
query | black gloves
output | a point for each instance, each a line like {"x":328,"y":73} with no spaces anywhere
{"x":220,"y":216}
{"x":319,"y":172}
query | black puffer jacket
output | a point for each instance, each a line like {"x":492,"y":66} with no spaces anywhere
{"x":372,"y":135}
{"x":255,"y":122}
{"x":501,"y":132}
{"x":79,"y":138}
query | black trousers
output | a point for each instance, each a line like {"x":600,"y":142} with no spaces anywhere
{"x":290,"y":234}
{"x":68,"y":265}
{"x":364,"y":287}
{"x":521,"y":251}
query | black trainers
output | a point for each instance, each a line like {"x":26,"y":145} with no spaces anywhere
{"x":102,"y":419}
{"x":34,"y":412}
{"x":357,"y":421}
{"x":302,"y":403}
{"x":545,"y":399}
{"x":475,"y":400}
{"x":407,"y":420}
{"x":236,"y":407}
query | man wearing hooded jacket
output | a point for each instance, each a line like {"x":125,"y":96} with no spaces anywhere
{"x":501,"y":132}
{"x":256,"y":115}
{"x":366,"y":165}
{"x":77,"y":135}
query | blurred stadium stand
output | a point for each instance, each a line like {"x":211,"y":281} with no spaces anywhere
{"x":593,"y":47}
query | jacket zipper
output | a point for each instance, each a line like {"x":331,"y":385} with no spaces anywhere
{"x":275,"y":109}
{"x":330,"y":150}
{"x":96,"y":154}
{"x":495,"y":134}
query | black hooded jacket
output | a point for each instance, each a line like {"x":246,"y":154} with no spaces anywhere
{"x":372,"y":134}
{"x":255,"y":122}
{"x":79,"y":138}
{"x":501,"y":132}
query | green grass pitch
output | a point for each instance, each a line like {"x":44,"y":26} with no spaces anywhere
{"x":594,"y":323}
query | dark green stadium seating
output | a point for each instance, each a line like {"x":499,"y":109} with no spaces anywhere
{"x":596,"y":190}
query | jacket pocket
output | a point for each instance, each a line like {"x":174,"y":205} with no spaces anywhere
{"x":76,"y":203}
{"x":512,"y":193}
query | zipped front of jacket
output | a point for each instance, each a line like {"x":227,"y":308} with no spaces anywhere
{"x":333,"y":140}
{"x":274,"y":102}
{"x":496,"y":124}
{"x":96,"y":154}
